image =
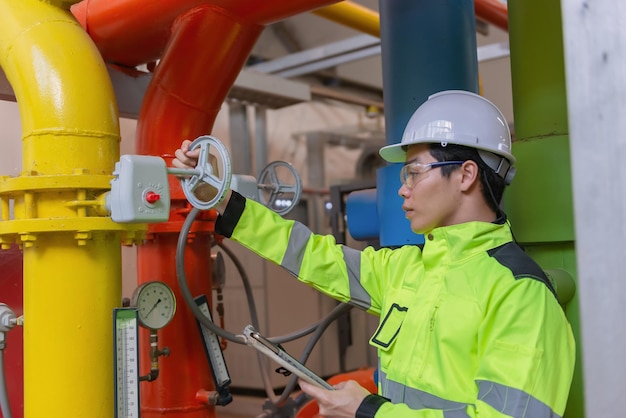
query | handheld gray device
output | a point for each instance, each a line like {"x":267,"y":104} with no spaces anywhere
{"x":280,"y":356}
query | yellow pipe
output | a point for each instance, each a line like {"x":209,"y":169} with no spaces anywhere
{"x":352,"y":15}
{"x":72,"y":259}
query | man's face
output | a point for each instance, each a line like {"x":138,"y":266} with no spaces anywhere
{"x":433,"y":201}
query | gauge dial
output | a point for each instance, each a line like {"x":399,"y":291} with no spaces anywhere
{"x":156,"y":304}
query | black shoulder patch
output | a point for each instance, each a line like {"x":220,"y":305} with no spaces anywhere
{"x":511,"y":256}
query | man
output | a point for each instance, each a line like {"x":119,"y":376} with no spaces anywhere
{"x":470,"y":326}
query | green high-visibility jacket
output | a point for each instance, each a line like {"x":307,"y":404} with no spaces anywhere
{"x":469,"y":325}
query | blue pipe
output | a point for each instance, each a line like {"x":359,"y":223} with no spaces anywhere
{"x":427,"y":46}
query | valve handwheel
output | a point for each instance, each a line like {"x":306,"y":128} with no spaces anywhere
{"x":205,"y":172}
{"x":272,"y":187}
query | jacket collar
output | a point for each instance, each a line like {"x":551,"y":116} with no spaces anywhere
{"x":457,"y":242}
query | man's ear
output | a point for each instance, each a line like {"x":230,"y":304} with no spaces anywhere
{"x":469,"y":175}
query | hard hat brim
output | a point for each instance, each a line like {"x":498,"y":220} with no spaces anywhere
{"x":393,"y":153}
{"x":396,"y":153}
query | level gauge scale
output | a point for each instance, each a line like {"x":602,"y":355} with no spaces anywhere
{"x":126,"y":351}
{"x":213,"y":350}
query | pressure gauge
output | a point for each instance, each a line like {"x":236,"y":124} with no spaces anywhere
{"x":155,"y":303}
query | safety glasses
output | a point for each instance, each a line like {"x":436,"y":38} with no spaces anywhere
{"x":410,"y":170}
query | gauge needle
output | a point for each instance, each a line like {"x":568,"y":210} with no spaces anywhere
{"x":154,"y":306}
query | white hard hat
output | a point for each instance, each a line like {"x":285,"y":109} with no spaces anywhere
{"x":462,"y":118}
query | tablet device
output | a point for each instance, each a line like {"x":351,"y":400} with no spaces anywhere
{"x":280,"y":356}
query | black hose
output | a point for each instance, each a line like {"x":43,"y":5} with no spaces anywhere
{"x":184,"y":288}
{"x":246,"y":285}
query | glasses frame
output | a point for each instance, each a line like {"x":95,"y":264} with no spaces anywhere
{"x":408,"y":178}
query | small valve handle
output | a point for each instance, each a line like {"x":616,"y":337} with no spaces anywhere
{"x":271,"y":187}
{"x":204,"y":173}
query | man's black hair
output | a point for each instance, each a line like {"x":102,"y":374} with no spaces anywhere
{"x":489,"y":180}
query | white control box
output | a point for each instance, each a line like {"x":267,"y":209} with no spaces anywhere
{"x":140,"y":190}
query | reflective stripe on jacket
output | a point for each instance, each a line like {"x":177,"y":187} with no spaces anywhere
{"x":469,"y":325}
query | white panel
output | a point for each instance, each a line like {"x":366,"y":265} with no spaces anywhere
{"x":595,"y":47}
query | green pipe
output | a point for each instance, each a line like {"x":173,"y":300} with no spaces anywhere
{"x":540,"y":203}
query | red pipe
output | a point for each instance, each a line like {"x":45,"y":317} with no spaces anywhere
{"x":206,"y":51}
{"x":182,"y":101}
{"x":494,"y":12}
{"x":185,"y":371}
{"x":11,"y":294}
{"x":133,"y":32}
